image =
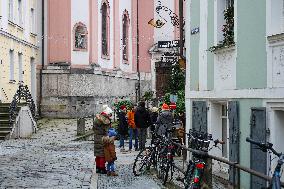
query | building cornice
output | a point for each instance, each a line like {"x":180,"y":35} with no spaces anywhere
{"x":272,"y":39}
{"x":266,"y":93}
{"x":8,"y":35}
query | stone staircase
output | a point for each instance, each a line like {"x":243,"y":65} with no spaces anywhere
{"x":5,"y":127}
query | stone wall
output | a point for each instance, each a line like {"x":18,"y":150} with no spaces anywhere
{"x":74,"y":93}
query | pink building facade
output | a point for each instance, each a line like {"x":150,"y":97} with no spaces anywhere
{"x":91,"y":54}
{"x":89,"y":15}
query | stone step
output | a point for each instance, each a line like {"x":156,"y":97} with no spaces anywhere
{"x":4,"y":115}
{"x":6,"y":109}
{"x":3,"y":134}
{"x":6,"y":129}
{"x":8,"y":104}
{"x":4,"y":121}
{"x":4,"y":104}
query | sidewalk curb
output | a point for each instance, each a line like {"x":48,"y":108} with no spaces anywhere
{"x":94,"y":180}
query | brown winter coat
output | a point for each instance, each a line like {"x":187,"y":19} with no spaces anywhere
{"x":100,"y":128}
{"x":109,"y":149}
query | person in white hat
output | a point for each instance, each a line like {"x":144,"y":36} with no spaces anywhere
{"x":101,"y":125}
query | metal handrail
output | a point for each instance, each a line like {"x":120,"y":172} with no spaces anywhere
{"x":22,"y":93}
{"x":6,"y":96}
{"x":233,"y":164}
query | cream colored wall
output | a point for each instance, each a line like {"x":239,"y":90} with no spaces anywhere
{"x":8,"y":88}
{"x":19,"y":39}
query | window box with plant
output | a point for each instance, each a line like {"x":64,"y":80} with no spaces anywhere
{"x":228,"y":30}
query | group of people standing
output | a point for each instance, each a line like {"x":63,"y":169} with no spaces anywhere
{"x":133,"y":122}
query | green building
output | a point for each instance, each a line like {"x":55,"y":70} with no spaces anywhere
{"x":235,"y":79}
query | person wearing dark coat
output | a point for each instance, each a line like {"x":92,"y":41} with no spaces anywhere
{"x":154,"y":116}
{"x":142,"y":121}
{"x":101,"y":125}
{"x":122,"y":127}
{"x":165,"y":120}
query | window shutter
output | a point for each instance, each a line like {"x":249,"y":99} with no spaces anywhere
{"x":233,"y":115}
{"x":199,"y":116}
{"x":258,"y":158}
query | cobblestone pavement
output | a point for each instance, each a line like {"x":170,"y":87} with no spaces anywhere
{"x":126,"y":178}
{"x":49,"y":159}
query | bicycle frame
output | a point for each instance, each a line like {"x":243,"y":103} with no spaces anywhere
{"x":276,"y":183}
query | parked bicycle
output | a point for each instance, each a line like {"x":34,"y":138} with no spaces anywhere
{"x":266,"y":146}
{"x":165,"y":160}
{"x":195,"y":169}
{"x":148,"y":156}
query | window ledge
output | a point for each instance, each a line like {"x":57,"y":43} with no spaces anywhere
{"x":20,"y":28}
{"x":12,"y":23}
{"x":12,"y":81}
{"x":106,"y":57}
{"x":33,"y":34}
{"x":125,"y":62}
{"x":275,"y":38}
{"x":80,"y":50}
{"x":222,"y":48}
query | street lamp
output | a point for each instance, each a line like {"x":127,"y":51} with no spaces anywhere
{"x":137,"y":55}
{"x":136,"y":91}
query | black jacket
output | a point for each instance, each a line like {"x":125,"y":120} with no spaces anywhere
{"x":142,"y":118}
{"x":165,"y":121}
{"x":123,"y":125}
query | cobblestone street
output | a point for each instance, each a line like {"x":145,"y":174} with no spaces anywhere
{"x":126,"y":178}
{"x":49,"y":159}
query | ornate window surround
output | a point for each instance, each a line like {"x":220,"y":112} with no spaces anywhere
{"x":125,"y":36}
{"x":107,"y":55}
{"x":80,"y":24}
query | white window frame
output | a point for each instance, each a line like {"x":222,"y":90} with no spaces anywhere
{"x":32,"y":20}
{"x":219,"y":7}
{"x":226,"y":140}
{"x":11,"y":10}
{"x":20,"y":12}
{"x":12,"y":66}
{"x":275,"y":17}
{"x":20,"y":64}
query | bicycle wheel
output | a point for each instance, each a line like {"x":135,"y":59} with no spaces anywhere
{"x":142,"y":161}
{"x":188,"y":179}
{"x":166,"y":172}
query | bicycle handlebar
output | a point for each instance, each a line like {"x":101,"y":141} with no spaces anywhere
{"x":264,"y":146}
{"x":219,"y":142}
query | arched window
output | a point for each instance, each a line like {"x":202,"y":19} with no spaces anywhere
{"x":125,"y":36}
{"x":80,"y":37}
{"x":105,"y":28}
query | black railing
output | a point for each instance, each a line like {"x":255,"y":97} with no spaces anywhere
{"x":22,"y":95}
{"x":6,"y":96}
{"x":234,"y":165}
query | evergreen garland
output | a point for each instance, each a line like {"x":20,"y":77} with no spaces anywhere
{"x":228,"y":30}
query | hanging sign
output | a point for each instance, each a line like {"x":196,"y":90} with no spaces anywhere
{"x":168,"y":44}
{"x":173,"y":98}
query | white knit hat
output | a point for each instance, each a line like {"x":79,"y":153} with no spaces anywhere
{"x":107,"y":110}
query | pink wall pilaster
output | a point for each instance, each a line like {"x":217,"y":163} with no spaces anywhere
{"x":93,"y":31}
{"x":59,"y":31}
{"x":116,"y":33}
{"x":177,"y":12}
{"x":134,"y":34}
{"x":146,"y":34}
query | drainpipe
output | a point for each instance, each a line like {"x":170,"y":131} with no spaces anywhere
{"x":137,"y":57}
{"x":42,"y":59}
{"x":181,"y":27}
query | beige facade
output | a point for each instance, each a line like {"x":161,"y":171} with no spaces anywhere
{"x":20,"y":42}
